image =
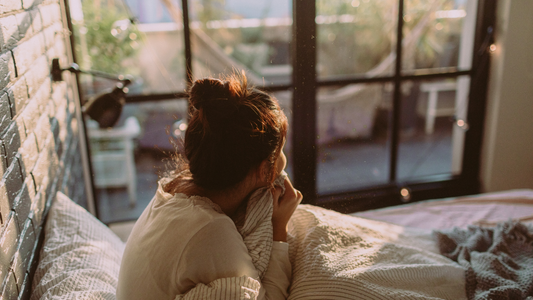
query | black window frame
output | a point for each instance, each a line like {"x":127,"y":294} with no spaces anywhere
{"x":304,"y":108}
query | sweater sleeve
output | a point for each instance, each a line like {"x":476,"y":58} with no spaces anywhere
{"x":217,"y":251}
{"x":279,"y":272}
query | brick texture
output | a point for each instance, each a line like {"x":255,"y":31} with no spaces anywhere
{"x":39,"y":143}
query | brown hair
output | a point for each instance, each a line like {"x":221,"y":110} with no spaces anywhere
{"x":232,"y":129}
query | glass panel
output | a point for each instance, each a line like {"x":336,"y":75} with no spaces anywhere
{"x":432,"y":127}
{"x":356,"y":37}
{"x":353,"y":150}
{"x":129,"y":158}
{"x":151,"y":50}
{"x":242,"y":35}
{"x":285,"y":102}
{"x":151,"y":150}
{"x":438,"y":34}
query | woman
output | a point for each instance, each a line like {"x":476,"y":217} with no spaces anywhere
{"x":187,"y":241}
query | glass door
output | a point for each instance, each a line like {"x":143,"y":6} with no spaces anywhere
{"x":385,"y":99}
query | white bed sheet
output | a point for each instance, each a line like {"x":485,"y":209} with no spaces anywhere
{"x":482,"y":209}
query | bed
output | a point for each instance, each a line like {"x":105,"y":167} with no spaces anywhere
{"x":80,"y":257}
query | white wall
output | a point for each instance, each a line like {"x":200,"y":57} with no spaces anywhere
{"x":507,"y":154}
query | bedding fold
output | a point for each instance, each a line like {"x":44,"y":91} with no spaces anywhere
{"x":336,"y":256}
{"x":498,"y":260}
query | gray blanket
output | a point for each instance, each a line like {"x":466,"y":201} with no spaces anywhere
{"x":499,"y":260}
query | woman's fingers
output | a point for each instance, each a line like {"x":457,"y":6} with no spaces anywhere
{"x":276,"y":192}
{"x":291,"y":193}
{"x":284,"y":207}
{"x":299,"y":196}
{"x":288,"y":184}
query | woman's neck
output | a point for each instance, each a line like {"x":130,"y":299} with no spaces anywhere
{"x":229,"y":200}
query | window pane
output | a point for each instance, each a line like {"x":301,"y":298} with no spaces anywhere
{"x":438,"y":34}
{"x":356,"y":37}
{"x":431,"y":142}
{"x":128,"y":159}
{"x":150,"y":49}
{"x":242,"y":35}
{"x":353,"y":150}
{"x":285,"y":102}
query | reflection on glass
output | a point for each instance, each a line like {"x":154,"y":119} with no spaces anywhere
{"x":129,"y":158}
{"x":150,"y":48}
{"x":242,"y":35}
{"x":352,"y":139}
{"x":438,"y":34}
{"x":356,"y":37}
{"x":432,"y":126}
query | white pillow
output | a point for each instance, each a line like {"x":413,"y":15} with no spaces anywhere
{"x":80,"y":258}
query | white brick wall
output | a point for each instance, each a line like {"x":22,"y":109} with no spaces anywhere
{"x":39,"y":143}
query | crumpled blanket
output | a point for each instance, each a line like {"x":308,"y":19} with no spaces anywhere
{"x":498,"y":260}
{"x":255,"y":226}
{"x":336,"y":256}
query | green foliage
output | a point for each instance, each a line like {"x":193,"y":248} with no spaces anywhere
{"x":101,"y":50}
{"x":359,"y":45}
{"x":209,"y":10}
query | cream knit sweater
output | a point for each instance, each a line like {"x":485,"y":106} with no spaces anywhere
{"x":187,"y":248}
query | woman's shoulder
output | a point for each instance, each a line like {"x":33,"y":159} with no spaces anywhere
{"x":177,"y":197}
{"x":179,"y":215}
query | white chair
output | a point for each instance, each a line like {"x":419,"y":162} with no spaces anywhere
{"x":112,"y":156}
{"x":432,"y":111}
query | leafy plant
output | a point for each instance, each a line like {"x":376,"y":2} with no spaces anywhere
{"x":355,"y":36}
{"x":106,"y":38}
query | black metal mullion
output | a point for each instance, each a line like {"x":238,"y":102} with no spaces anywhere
{"x":426,"y":76}
{"x":187,"y":41}
{"x":387,"y":195}
{"x":396,"y":104}
{"x":304,"y":99}
{"x":154,"y":97}
{"x":137,"y":98}
{"x":486,"y":18}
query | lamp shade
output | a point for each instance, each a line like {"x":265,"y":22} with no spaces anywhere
{"x":106,"y":108}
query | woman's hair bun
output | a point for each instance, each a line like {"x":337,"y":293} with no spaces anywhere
{"x":207,"y":90}
{"x":232,"y":130}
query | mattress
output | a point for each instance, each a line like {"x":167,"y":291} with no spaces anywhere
{"x":481,"y":209}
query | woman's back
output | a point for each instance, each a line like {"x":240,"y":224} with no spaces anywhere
{"x":189,"y":245}
{"x":178,"y":242}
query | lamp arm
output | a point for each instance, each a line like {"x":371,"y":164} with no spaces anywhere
{"x":75,"y":68}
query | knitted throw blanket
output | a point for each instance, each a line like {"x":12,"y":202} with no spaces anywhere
{"x":498,"y":261}
{"x":257,"y":231}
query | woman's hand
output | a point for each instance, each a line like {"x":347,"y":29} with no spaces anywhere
{"x":284,"y":207}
